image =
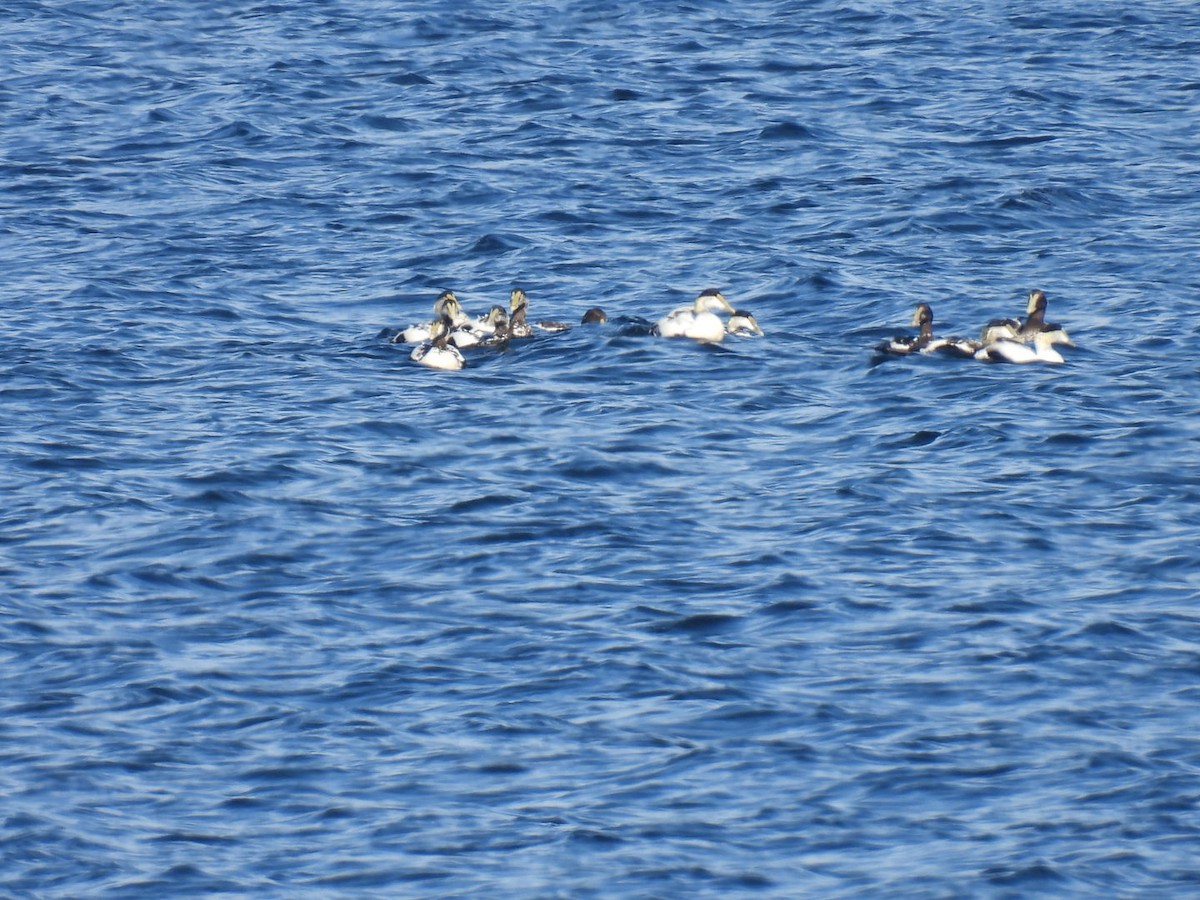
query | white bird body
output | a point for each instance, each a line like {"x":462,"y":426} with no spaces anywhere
{"x":676,"y":322}
{"x":464,"y":338}
{"x":697,"y":321}
{"x":964,"y":348}
{"x":434,"y":357}
{"x":438,"y":353}
{"x":1007,"y":350}
{"x":1014,"y":351}
{"x":413,"y":334}
{"x":705,"y":326}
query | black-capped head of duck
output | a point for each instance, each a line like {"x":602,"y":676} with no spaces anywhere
{"x":743,"y":323}
{"x":712,"y":300}
{"x":496,"y":316}
{"x":447,"y":305}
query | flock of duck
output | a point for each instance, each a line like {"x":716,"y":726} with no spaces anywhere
{"x":440,"y":341}
{"x":1000,"y":340}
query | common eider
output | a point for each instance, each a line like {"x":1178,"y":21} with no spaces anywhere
{"x":518,"y":302}
{"x":486,"y":329}
{"x":446,"y":305}
{"x":437,"y":353}
{"x":1016,"y":330}
{"x":743,"y":324}
{"x":697,"y":320}
{"x":1014,"y":351}
{"x":906,"y":344}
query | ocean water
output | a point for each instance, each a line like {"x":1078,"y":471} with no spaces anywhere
{"x":284,"y":614}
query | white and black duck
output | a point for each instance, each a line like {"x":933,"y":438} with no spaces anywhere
{"x":698,"y":320}
{"x":438,"y":352}
{"x":1016,"y":351}
{"x":520,"y":326}
{"x":925,"y":341}
{"x":489,"y":329}
{"x":446,"y":305}
{"x":1022,"y":331}
{"x":743,"y":324}
{"x":904,"y":345}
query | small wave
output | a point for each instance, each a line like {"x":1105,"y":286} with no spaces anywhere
{"x":787,"y":131}
{"x":410,"y":79}
{"x":497,"y":245}
{"x":1013,"y":141}
{"x":386,"y":123}
{"x":238,"y":132}
{"x":700,"y":623}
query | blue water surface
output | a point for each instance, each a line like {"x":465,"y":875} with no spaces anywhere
{"x":284,"y":614}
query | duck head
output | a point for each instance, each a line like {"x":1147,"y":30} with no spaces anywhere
{"x":923,"y":318}
{"x":712,"y":300}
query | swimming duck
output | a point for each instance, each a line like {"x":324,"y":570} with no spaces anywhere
{"x":518,"y":327}
{"x":1014,"y":351}
{"x":486,"y":329}
{"x":519,"y":300}
{"x":502,"y":328}
{"x":906,"y":344}
{"x":1014,"y":329}
{"x":925,"y":342}
{"x":594,"y":316}
{"x":698,"y":320}
{"x":446,"y":304}
{"x":743,"y":324}
{"x":437,"y":352}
